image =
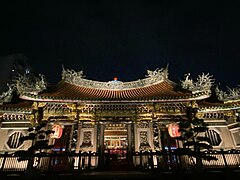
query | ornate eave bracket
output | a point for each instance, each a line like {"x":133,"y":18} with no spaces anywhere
{"x":77,"y":78}
{"x":203,"y":84}
{"x":231,"y":95}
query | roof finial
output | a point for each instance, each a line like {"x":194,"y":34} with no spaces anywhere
{"x":63,"y":67}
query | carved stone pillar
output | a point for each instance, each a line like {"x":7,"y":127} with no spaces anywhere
{"x":156,"y":135}
{"x":78,"y":137}
{"x":159,"y":137}
{"x":71,"y":138}
{"x":150,"y":134}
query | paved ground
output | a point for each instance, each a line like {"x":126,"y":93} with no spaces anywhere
{"x":136,"y":175}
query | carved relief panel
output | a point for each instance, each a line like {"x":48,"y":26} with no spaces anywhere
{"x":142,"y":138}
{"x":87,"y":140}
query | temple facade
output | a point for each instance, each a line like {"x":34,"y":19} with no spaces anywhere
{"x":117,"y":117}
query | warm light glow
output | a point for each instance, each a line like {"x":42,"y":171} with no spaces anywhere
{"x":57,"y":132}
{"x":173,"y":130}
{"x":115,"y":79}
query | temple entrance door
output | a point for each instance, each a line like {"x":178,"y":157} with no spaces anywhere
{"x":115,"y":141}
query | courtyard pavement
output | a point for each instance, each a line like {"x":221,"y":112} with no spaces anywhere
{"x":122,"y":175}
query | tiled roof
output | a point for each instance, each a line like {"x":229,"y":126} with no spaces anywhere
{"x":20,"y":106}
{"x":217,"y":105}
{"x":165,"y":90}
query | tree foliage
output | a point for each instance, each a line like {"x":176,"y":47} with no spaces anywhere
{"x":195,"y":143}
{"x":38,"y":136}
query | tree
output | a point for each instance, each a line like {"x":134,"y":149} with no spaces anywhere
{"x":38,"y":136}
{"x":195,"y":144}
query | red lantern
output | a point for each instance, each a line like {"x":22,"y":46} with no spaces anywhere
{"x":173,"y":130}
{"x":57,"y":132}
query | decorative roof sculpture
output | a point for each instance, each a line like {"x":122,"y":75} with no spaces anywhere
{"x":204,"y":83}
{"x":77,"y":78}
{"x":155,"y":87}
{"x":26,"y":84}
{"x":231,"y":95}
{"x":7,"y":95}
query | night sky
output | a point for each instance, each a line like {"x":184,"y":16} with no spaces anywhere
{"x":125,"y":38}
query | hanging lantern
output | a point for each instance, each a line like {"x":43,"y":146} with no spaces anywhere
{"x":173,"y":130}
{"x":57,"y":131}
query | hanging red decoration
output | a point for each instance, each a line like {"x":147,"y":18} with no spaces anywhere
{"x":173,"y":130}
{"x":57,"y":132}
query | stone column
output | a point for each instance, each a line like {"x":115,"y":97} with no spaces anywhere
{"x":101,"y":145}
{"x":130,"y":143}
{"x":162,"y":131}
{"x":136,"y":138}
{"x":150,"y":135}
{"x":78,"y":137}
{"x":71,"y":138}
{"x":159,"y":136}
{"x":95,"y":138}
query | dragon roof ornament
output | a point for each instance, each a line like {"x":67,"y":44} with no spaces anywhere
{"x":204,"y":83}
{"x":27,"y":84}
{"x":77,"y":78}
{"x":7,"y":95}
{"x":231,"y":94}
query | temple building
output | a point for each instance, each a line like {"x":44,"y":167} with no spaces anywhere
{"x":116,"y":117}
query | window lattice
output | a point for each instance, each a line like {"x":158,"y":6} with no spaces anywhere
{"x":214,"y":137}
{"x":13,"y":140}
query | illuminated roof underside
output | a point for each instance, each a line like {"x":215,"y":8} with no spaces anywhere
{"x":164,"y":91}
{"x":155,"y":87}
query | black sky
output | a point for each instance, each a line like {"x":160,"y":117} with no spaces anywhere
{"x":125,"y":38}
